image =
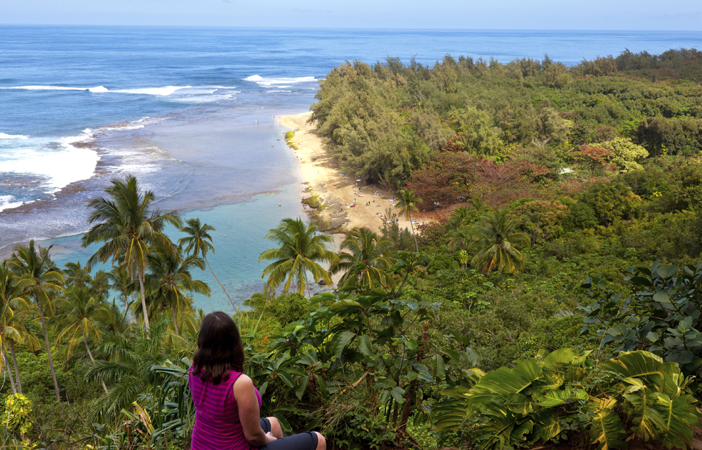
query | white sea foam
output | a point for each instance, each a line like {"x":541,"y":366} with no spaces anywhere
{"x":162,"y":91}
{"x":7,"y":202}
{"x":98,"y":89}
{"x":202,"y":90}
{"x":13,"y":136}
{"x":279,"y":82}
{"x":59,"y":165}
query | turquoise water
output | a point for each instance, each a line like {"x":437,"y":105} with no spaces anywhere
{"x":235,"y":261}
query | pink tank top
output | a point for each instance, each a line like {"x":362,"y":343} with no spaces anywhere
{"x":217,"y":424}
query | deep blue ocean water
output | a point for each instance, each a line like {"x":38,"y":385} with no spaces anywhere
{"x":189,"y":111}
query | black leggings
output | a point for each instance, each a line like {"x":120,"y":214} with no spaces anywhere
{"x":301,"y":441}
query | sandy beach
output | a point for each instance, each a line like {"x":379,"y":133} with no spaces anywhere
{"x":346,"y":203}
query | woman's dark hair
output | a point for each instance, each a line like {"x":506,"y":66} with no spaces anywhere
{"x":219,"y":349}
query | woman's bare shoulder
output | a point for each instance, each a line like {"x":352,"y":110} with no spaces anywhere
{"x":243,"y":383}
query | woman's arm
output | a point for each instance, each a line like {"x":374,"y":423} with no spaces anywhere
{"x":249,"y":413}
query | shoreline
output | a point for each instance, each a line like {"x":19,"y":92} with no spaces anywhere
{"x":332,"y":190}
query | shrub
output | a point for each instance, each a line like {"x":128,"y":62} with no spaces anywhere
{"x":661,"y":316}
{"x":580,"y":216}
{"x":564,"y":396}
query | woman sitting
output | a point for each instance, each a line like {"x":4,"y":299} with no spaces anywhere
{"x":227,"y":415}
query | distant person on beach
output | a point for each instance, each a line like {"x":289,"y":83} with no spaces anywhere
{"x":227,"y":405}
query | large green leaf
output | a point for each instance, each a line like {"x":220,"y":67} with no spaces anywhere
{"x":646,"y":422}
{"x":302,"y":387}
{"x":340,"y":341}
{"x":547,"y":426}
{"x":565,"y":356}
{"x":498,"y":428}
{"x":607,"y":430}
{"x":511,"y":381}
{"x":557,"y":397}
{"x":364,"y":345}
{"x":677,"y":416}
{"x":449,"y":415}
{"x":639,"y":364}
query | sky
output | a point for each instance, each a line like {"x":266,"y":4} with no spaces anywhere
{"x":410,"y":14}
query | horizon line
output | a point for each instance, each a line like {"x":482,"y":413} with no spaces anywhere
{"x":345,"y":28}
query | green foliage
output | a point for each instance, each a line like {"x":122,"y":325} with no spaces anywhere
{"x":284,"y":309}
{"x":671,"y":136}
{"x":355,"y":427}
{"x":609,"y":202}
{"x":475,"y":132}
{"x":541,"y":220}
{"x":580,"y":216}
{"x":625,"y":154}
{"x":551,"y":334}
{"x":384,"y":122}
{"x":400,"y":238}
{"x":563,"y":395}
{"x":660,"y":316}
{"x":18,"y":413}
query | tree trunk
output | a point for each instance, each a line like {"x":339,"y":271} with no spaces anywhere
{"x":126,"y":307}
{"x":143,"y":301}
{"x":131,"y":278}
{"x":6,"y":363}
{"x":175,"y":322}
{"x":395,"y":412}
{"x":85,"y":341}
{"x":48,"y":351}
{"x":236,"y":310}
{"x":409,"y":216}
{"x":14,"y":362}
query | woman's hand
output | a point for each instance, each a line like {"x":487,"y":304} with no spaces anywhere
{"x":270,"y":438}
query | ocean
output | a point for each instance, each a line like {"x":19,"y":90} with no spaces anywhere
{"x":190,"y":112}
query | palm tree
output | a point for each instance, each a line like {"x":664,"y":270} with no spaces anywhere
{"x":366,"y":263}
{"x":76,"y":274}
{"x":128,"y":227}
{"x":497,"y":244}
{"x":121,"y":281}
{"x":460,"y":238}
{"x":199,"y":242}
{"x":10,"y":297}
{"x":408,"y":203}
{"x":300,"y":251}
{"x":82,"y":311}
{"x":41,"y":280}
{"x":478,"y":204}
{"x":11,"y":289}
{"x":125,"y":363}
{"x":170,"y":281}
{"x":459,"y":217}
